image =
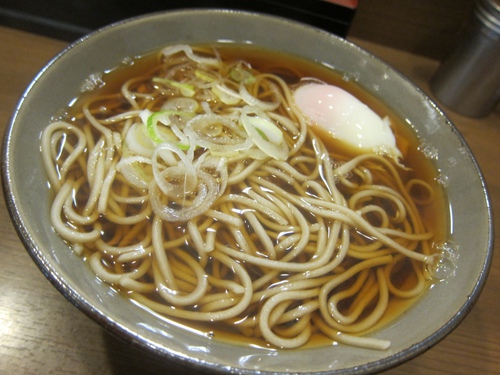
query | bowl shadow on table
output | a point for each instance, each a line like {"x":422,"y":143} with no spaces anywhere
{"x":125,"y":359}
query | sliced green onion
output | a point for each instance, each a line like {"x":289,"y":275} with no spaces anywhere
{"x":239,"y":74}
{"x":267,"y":129}
{"x":138,"y":142}
{"x":264,"y":133}
{"x":219,"y":134}
{"x":188,"y":51}
{"x":185,"y":88}
{"x":132,"y":169}
{"x":152,"y":125}
{"x":184,"y":142}
{"x":226,"y":95}
{"x":253,"y":101}
{"x":188,"y":106}
{"x":144,"y":115}
{"x":151,"y":120}
{"x":205,"y":76}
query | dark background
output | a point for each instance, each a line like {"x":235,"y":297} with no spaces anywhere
{"x":426,"y":27}
{"x":70,"y":19}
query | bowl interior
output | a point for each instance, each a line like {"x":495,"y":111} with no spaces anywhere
{"x":435,"y":315}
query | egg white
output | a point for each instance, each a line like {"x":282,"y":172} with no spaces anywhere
{"x":346,"y":118}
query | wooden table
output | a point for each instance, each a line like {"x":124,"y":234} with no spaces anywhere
{"x":42,"y":333}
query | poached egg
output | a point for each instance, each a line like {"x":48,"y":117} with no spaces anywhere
{"x":346,"y":118}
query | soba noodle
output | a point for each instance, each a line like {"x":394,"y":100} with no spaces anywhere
{"x":201,"y":191}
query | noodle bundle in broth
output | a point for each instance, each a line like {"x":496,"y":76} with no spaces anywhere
{"x":200,"y":189}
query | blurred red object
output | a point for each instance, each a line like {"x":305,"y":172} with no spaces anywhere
{"x":353,"y":4}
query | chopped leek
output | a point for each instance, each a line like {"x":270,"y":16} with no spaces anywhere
{"x":239,"y":74}
{"x":172,"y":50}
{"x":151,"y":120}
{"x":138,"y":142}
{"x":188,"y":106}
{"x":264,"y":133}
{"x":226,"y":95}
{"x":255,"y":102}
{"x":185,"y":88}
{"x":267,"y":129}
{"x":205,"y":76}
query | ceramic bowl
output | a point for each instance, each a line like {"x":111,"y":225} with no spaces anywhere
{"x":436,"y":314}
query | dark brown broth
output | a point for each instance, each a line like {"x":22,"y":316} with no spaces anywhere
{"x":433,"y":215}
